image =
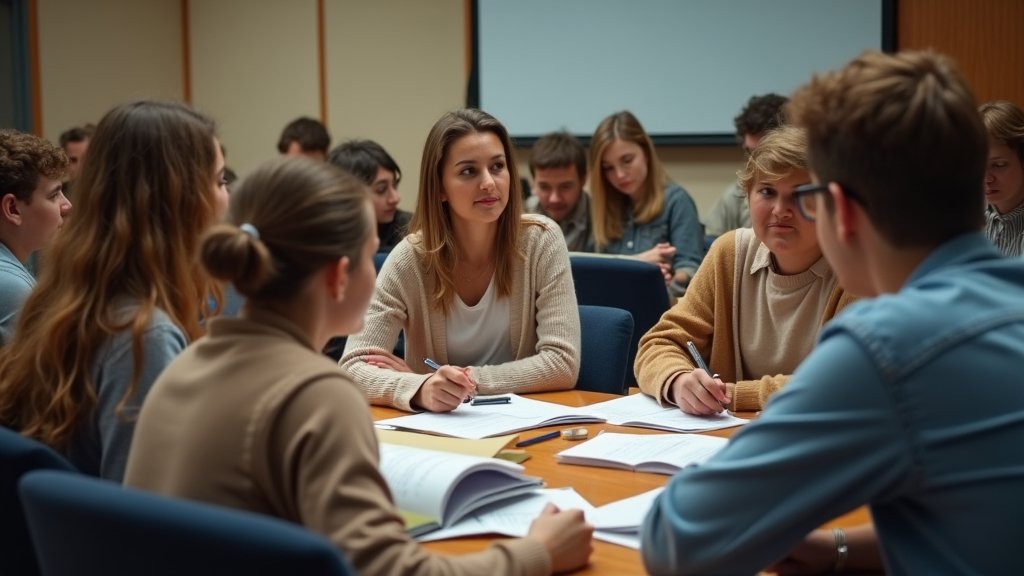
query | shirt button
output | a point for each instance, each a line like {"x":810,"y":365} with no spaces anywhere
{"x":629,"y":244}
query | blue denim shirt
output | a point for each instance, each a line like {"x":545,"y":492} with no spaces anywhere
{"x":912,"y":403}
{"x":677,"y":224}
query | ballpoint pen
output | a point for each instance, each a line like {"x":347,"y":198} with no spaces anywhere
{"x":435,"y":366}
{"x":699,"y":360}
{"x":538,"y":439}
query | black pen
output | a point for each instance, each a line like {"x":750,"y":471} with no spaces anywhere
{"x":538,"y":439}
{"x":699,"y":360}
{"x":436,"y":367}
{"x":487,"y":400}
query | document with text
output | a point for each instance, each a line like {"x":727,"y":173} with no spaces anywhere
{"x":468,"y":421}
{"x":657,"y":453}
{"x":642,"y":411}
{"x":619,"y":522}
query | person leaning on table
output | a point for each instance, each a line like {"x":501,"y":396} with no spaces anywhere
{"x":756,"y":305}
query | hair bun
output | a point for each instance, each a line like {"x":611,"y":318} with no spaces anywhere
{"x":236,"y":254}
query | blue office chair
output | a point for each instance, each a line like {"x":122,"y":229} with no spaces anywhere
{"x":625,"y":283}
{"x":604,"y":355}
{"x":90,"y":527}
{"x":18,"y":456}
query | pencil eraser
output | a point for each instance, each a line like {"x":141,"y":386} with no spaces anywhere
{"x":575,"y":434}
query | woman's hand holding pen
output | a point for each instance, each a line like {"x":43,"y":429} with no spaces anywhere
{"x":699,"y":393}
{"x":446,"y":388}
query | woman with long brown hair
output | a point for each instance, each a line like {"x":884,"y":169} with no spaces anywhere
{"x":122,"y":292}
{"x":479,"y":288}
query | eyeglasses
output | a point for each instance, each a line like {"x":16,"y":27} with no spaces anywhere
{"x":804,"y":196}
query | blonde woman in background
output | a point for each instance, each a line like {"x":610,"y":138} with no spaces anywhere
{"x":636,"y":210}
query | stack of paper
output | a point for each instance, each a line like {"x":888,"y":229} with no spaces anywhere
{"x":619,"y":522}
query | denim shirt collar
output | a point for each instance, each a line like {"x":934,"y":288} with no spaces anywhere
{"x":961,"y":249}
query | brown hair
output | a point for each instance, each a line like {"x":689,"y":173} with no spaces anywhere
{"x":142,"y":201}
{"x":1004,"y":121}
{"x":23,"y":158}
{"x":431,"y":222}
{"x":780,"y":152}
{"x":901,"y":132}
{"x":608,"y":204}
{"x":558,"y":150}
{"x":287,"y":219}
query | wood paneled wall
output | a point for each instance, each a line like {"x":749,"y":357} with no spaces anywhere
{"x":985,"y":37}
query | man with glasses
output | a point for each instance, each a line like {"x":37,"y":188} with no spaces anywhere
{"x":911,"y":403}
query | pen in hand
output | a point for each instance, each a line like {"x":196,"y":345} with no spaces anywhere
{"x":435,"y":366}
{"x":699,"y":361}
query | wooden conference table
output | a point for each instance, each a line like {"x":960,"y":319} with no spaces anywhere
{"x":598,"y":486}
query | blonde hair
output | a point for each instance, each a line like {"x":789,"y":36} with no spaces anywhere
{"x":287,"y":220}
{"x":141,"y":203}
{"x":608,"y":203}
{"x":431,"y":223}
{"x":780,"y":152}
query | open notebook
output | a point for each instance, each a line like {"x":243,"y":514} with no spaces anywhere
{"x":436,"y":489}
{"x":656,"y":453}
{"x":642,"y":411}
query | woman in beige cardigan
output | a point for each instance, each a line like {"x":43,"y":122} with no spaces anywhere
{"x":755,"y":308}
{"x":478,"y":288}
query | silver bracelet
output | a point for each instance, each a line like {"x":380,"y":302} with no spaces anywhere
{"x":842,"y":550}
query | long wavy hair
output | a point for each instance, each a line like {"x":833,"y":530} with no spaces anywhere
{"x":608,"y":204}
{"x":432,"y":220}
{"x":143,"y":199}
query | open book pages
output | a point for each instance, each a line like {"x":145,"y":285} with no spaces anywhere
{"x":657,"y":453}
{"x":468,"y":421}
{"x":511,"y":517}
{"x":619,"y":522}
{"x":642,"y":411}
{"x":442,"y":487}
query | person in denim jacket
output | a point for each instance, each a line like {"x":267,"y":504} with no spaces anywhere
{"x":636,"y":210}
{"x":911,"y":403}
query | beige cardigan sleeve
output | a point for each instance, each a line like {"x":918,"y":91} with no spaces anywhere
{"x":328,"y":474}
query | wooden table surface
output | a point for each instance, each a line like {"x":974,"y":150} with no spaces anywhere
{"x":598,"y":486}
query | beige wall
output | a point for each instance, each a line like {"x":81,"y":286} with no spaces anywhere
{"x":392,"y":68}
{"x":395,"y":67}
{"x":254,"y":69}
{"x":96,"y":54}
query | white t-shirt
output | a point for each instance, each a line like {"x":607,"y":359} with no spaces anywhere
{"x":479,"y":335}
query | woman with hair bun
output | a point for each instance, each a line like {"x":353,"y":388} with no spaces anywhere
{"x":253,"y":417}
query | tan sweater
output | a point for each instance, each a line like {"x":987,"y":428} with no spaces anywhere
{"x":709,"y":314}
{"x":544,"y":324}
{"x":251,"y":417}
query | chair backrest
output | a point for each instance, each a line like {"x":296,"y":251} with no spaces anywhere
{"x":604,"y":356}
{"x":87,"y":526}
{"x":626,"y":283}
{"x":18,"y":456}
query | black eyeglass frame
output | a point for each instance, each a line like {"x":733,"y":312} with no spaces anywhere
{"x":805,"y":190}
